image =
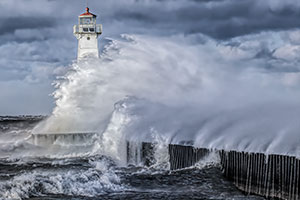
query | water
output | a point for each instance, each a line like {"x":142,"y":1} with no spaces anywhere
{"x":151,"y":89}
{"x":90,"y":177}
{"x":59,"y":174}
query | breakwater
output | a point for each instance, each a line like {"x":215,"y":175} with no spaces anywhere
{"x":185,"y":156}
{"x":66,"y":138}
{"x":275,"y":176}
{"x":140,"y":153}
{"x":271,"y":176}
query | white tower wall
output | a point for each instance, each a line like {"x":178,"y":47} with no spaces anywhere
{"x":88,"y":46}
{"x":87,"y":32}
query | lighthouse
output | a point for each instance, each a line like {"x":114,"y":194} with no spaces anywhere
{"x":87,"y":32}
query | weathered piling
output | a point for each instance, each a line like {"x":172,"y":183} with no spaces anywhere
{"x":266,"y":175}
{"x":271,"y":176}
{"x":185,"y":156}
{"x":140,"y":153}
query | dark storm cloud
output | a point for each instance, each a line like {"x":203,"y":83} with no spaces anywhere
{"x":36,"y":35}
{"x":10,"y":24}
{"x":222,"y":19}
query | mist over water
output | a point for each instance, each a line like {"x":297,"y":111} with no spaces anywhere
{"x":159,"y":90}
{"x":143,"y":87}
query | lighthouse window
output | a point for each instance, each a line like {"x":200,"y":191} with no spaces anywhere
{"x":85,"y":29}
{"x":92,"y":30}
{"x":85,"y":20}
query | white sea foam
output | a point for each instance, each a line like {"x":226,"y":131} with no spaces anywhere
{"x":204,"y":93}
{"x":210,"y":160}
{"x":92,"y":182}
{"x":161,"y":152}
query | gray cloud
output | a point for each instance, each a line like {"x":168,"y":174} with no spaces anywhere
{"x":219,"y":19}
{"x":36,"y":36}
{"x":11,"y":24}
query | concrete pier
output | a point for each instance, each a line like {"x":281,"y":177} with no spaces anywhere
{"x":45,"y":139}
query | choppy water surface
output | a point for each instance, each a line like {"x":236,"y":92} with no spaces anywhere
{"x":90,"y":177}
{"x":34,"y":172}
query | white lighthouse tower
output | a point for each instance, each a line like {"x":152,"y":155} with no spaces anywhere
{"x":87,"y":32}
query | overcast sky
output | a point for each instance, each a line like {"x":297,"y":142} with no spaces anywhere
{"x":37,"y":43}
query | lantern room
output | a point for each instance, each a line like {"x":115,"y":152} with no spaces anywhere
{"x":87,"y":18}
{"x":87,"y":23}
